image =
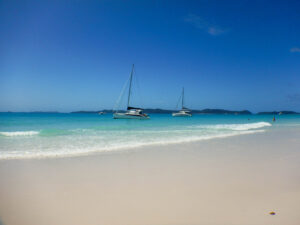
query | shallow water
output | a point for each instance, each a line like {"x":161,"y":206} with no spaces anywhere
{"x":30,"y":135}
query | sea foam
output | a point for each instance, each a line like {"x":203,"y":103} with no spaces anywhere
{"x":19,"y":133}
{"x":236,"y":127}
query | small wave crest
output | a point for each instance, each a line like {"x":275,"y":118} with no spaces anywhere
{"x":19,"y":133}
{"x":237,"y":127}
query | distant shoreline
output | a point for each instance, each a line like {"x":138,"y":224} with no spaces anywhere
{"x":166,"y":111}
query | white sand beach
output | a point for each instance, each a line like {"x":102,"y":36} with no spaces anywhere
{"x":227,"y":181}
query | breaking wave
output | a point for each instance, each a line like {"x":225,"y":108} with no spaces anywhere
{"x":19,"y":133}
{"x":237,"y":127}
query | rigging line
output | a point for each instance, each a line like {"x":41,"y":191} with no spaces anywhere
{"x":138,"y":89}
{"x":129,"y":91}
{"x":120,"y":96}
{"x":178,"y":101}
{"x":182,"y":99}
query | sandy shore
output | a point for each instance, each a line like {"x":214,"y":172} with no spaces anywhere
{"x":230,"y":181}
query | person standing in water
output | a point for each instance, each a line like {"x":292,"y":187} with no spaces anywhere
{"x":274,"y":119}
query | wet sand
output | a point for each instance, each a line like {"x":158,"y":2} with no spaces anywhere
{"x":228,"y":181}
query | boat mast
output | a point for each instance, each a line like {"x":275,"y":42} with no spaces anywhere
{"x":182,"y":98}
{"x":129,"y":91}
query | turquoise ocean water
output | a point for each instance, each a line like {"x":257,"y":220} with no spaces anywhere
{"x":36,"y":135}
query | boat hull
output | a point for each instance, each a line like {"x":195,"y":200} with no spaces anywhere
{"x":128,"y":116}
{"x":181,"y":114}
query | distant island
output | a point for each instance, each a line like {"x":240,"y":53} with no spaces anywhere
{"x":168,"y":111}
{"x":204,"y":111}
{"x":278,"y":113}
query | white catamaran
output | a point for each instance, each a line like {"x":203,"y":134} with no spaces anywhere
{"x":184,"y":111}
{"x":132,"y":112}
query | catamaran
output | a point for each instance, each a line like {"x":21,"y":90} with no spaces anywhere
{"x":132,"y":112}
{"x":184,"y":111}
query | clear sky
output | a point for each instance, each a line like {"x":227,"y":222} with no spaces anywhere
{"x":61,"y":55}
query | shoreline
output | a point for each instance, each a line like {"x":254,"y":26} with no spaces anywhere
{"x":120,"y":150}
{"x":133,"y":147}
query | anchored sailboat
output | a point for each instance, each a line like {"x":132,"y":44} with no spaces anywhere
{"x":132,"y":112}
{"x":184,"y":111}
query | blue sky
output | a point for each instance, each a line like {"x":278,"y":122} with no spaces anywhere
{"x":76,"y":55}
